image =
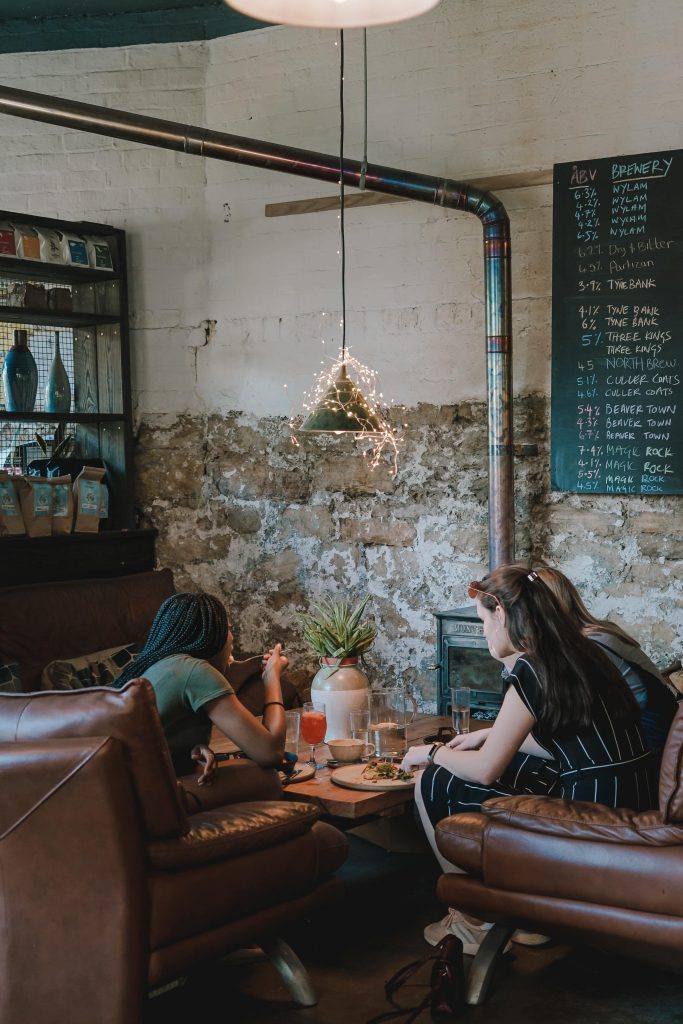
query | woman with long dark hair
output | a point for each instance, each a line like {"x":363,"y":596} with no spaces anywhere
{"x":568,"y":725}
{"x":185,"y":658}
{"x":655,"y":701}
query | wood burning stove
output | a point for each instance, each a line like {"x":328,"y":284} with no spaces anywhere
{"x":463,"y":659}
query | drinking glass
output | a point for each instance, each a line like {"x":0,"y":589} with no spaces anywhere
{"x":460,"y":704}
{"x":313,"y":727}
{"x":359,"y":724}
{"x":293,"y":729}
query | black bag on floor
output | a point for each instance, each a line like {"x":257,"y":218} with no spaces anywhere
{"x":446,"y":995}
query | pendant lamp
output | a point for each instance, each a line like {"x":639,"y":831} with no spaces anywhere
{"x":336,"y":404}
{"x":339,"y":14}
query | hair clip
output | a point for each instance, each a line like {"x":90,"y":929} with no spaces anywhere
{"x":532,"y":576}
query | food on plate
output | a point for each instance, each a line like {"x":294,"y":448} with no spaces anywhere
{"x":385,"y":771}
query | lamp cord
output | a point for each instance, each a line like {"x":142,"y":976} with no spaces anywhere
{"x":342,"y":247}
{"x":364,"y":165}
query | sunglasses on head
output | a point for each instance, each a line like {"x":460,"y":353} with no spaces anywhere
{"x":475,"y":592}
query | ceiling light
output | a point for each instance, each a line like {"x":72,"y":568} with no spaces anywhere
{"x":337,"y":14}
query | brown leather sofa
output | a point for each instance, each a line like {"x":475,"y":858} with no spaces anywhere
{"x":108,"y":887}
{"x":43,"y":622}
{"x":574,"y":870}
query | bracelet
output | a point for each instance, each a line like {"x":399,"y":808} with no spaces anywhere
{"x":268,"y":704}
{"x":432,"y":751}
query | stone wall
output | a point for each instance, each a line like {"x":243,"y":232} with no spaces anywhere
{"x":270,"y":528}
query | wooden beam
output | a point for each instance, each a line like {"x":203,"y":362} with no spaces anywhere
{"x":495,"y":183}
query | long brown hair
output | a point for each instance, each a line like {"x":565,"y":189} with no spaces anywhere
{"x":570,"y":599}
{"x":571,"y":669}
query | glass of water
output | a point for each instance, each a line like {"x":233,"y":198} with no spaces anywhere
{"x":359,"y":726}
{"x":293,"y":730}
{"x":460,"y":703}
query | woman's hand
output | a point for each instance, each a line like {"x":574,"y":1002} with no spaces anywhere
{"x":416,"y":757}
{"x":274,"y":664}
{"x":206,"y":759}
{"x":469,"y":741}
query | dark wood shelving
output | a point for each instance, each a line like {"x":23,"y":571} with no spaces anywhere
{"x":20,"y":315}
{"x":36,"y":270}
{"x":75,"y":556}
{"x":99,"y":373}
{"x":59,"y":417}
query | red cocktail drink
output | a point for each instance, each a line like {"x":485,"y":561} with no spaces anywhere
{"x":313,"y":726}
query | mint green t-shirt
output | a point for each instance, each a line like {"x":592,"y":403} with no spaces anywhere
{"x":183,"y":685}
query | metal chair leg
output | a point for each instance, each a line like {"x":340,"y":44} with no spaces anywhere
{"x":291,"y":970}
{"x":484,"y":964}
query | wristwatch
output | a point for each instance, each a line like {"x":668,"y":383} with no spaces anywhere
{"x":432,"y":751}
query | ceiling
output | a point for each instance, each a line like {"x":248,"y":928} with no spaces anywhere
{"x":31,"y":25}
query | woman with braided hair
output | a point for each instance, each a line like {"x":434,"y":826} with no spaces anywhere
{"x":185,"y":658}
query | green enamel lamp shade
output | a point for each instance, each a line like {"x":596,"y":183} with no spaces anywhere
{"x":343,"y":409}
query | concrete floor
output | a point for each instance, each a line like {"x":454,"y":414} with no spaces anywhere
{"x":378,"y":928}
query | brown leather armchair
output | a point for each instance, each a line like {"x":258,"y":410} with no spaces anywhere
{"x":108,"y":887}
{"x":573,"y":870}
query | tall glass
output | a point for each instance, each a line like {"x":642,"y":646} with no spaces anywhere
{"x":293,"y":729}
{"x":359,"y":724}
{"x":313,"y":728}
{"x":460,"y":705}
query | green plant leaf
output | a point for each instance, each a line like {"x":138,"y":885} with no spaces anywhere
{"x":337,"y":629}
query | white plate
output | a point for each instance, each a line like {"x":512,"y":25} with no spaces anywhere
{"x":351,"y":777}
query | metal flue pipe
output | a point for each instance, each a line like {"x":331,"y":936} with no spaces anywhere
{"x":152,"y":131}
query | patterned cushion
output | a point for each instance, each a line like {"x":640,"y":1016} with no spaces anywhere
{"x":98,"y":669}
{"x":9,"y":678}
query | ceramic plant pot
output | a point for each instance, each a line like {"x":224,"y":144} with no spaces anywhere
{"x":343,"y":687}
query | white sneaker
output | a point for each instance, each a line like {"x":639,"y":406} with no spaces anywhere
{"x":454,"y":923}
{"x":530,"y":938}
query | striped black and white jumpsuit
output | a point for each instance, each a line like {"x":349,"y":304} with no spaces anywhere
{"x":608,"y":762}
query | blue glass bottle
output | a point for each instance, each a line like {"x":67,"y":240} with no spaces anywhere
{"x":58,"y":388}
{"x":20,"y":375}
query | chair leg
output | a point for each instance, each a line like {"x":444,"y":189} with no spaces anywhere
{"x":484,"y":964}
{"x":291,"y":970}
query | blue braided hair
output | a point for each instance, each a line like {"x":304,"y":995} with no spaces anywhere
{"x":195,"y":624}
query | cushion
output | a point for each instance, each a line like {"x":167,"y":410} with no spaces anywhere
{"x":671,"y":772}
{"x":98,"y":669}
{"x":9,"y":678}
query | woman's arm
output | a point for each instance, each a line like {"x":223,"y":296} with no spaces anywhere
{"x":263,"y":743}
{"x":508,"y":733}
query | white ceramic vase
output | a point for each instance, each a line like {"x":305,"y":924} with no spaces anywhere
{"x":343,"y":687}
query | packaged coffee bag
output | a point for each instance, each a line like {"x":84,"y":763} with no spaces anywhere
{"x":62,"y":505}
{"x":99,"y":253}
{"x":74,"y":250}
{"x":50,"y":246}
{"x":11,"y":519}
{"x":88,"y":499}
{"x":8,"y":245}
{"x":27,"y":242}
{"x":35,"y":497}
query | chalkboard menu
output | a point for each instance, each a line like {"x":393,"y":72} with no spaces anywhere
{"x":617,"y":364}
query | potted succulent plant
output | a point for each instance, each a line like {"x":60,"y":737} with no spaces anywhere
{"x":339,"y":635}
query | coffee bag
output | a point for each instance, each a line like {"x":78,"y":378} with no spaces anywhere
{"x":11,"y":519}
{"x":35,"y":497}
{"x":62,"y":505}
{"x":88,"y":494}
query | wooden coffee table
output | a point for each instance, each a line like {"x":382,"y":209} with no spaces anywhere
{"x":351,"y":804}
